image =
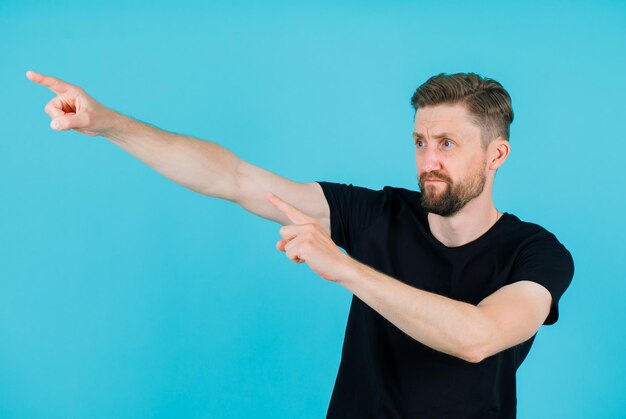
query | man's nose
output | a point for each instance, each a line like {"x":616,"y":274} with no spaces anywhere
{"x":429,"y":160}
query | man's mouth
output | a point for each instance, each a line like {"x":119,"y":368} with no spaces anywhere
{"x":434,"y":180}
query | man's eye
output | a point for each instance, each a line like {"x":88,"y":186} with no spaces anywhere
{"x":448,"y":143}
{"x":419,"y":143}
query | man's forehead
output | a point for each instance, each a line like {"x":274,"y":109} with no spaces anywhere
{"x":443,"y":119}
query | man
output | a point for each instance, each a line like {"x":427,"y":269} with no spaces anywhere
{"x":448,"y":292}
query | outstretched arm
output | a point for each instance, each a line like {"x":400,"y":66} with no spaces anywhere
{"x":202,"y":166}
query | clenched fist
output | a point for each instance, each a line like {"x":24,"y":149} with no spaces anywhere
{"x":72,"y":108}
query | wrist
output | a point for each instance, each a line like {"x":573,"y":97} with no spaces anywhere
{"x":350,"y":271}
{"x":116,"y":125}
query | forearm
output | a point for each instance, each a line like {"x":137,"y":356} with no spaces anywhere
{"x":453,"y":327}
{"x":202,"y":166}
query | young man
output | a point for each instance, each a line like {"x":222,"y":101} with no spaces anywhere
{"x":448,"y":292}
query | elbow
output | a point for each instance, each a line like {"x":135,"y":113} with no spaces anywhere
{"x":469,"y":351}
{"x":477,"y":344}
{"x":474,"y":356}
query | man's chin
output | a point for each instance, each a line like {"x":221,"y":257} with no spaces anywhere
{"x":433,"y":193}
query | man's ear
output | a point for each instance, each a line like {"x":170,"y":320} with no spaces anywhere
{"x":497,"y":152}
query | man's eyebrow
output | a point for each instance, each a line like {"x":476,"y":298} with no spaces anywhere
{"x":417,"y":135}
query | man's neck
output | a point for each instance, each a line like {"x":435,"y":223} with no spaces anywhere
{"x":471,"y":222}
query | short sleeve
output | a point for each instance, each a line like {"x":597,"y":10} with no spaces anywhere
{"x":352,"y":210}
{"x":544,"y":260}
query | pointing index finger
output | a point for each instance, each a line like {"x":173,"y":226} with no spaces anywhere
{"x":58,"y":86}
{"x":293,"y":213}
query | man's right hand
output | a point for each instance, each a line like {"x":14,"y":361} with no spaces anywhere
{"x":72,"y":108}
{"x":202,"y":166}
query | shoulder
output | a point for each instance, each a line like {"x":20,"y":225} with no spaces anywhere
{"x":335,"y":190}
{"x":404,"y":196}
{"x":369,"y":202}
{"x":537,"y":242}
{"x":526,"y":242}
{"x":540,"y":257}
{"x":402,"y":192}
{"x":529,"y":231}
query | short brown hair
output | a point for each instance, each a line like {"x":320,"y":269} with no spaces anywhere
{"x":486,"y":100}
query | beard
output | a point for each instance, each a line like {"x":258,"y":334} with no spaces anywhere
{"x":454,"y":196}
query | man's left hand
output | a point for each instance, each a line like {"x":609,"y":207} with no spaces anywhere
{"x":306,"y":241}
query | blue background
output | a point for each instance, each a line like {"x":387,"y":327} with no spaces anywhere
{"x":124,"y":295}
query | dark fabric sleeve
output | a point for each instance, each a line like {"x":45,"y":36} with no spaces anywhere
{"x":544,"y":260}
{"x":352,"y":210}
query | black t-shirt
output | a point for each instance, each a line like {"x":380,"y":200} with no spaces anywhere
{"x":384,"y":373}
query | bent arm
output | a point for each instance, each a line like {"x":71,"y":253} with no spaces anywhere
{"x":505,"y":318}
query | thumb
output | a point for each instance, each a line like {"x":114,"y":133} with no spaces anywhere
{"x":68,"y":121}
{"x":280,"y":245}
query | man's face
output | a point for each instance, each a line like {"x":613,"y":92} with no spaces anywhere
{"x":451,"y":163}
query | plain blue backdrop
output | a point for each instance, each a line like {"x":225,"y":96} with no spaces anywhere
{"x":125,"y":295}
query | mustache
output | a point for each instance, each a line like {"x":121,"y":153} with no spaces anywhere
{"x":433,"y":176}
